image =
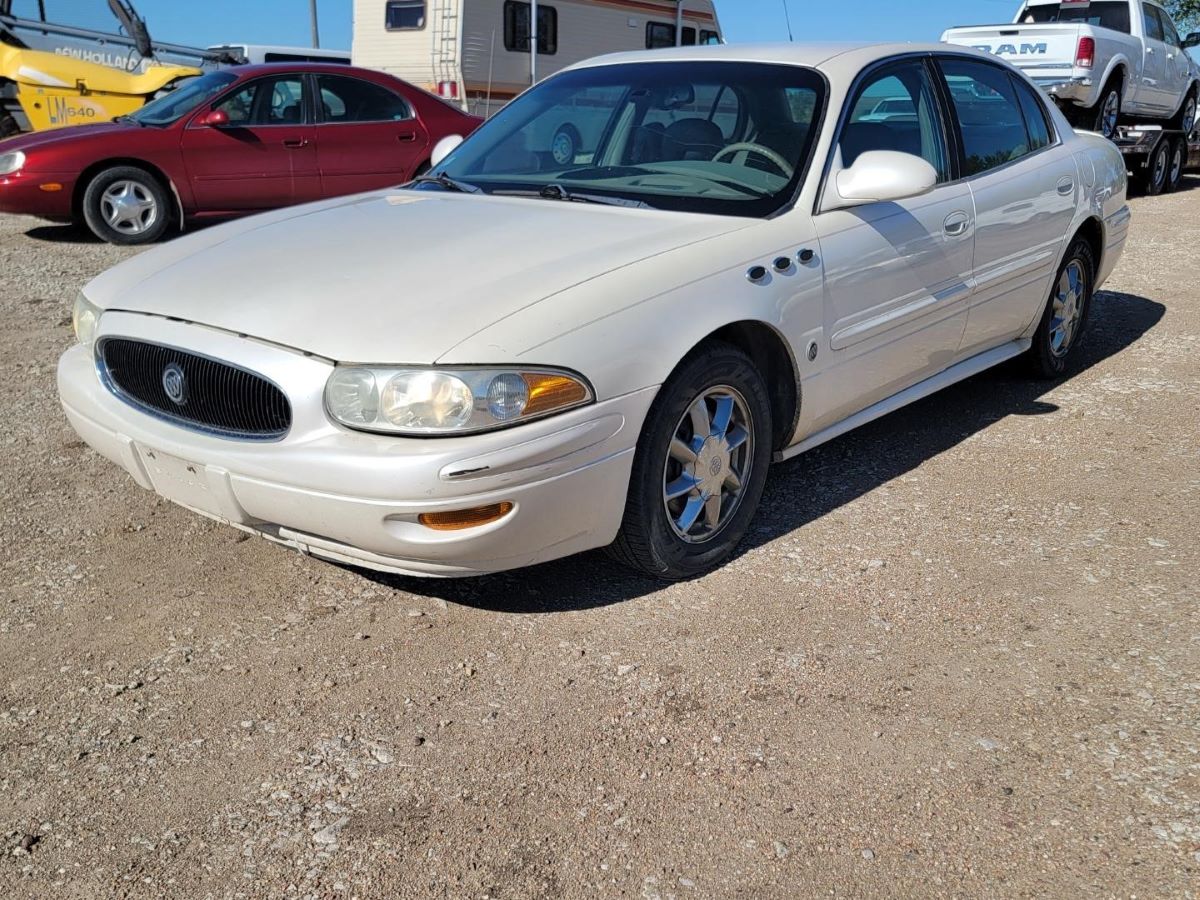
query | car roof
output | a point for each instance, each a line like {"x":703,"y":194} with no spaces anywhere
{"x":249,"y":71}
{"x":831,"y":57}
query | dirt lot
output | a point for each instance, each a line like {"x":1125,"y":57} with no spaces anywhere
{"x":960,"y":657}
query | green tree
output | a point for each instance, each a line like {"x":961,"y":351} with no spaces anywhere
{"x":1186,"y":14}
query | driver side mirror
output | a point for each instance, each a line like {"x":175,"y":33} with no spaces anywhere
{"x":1192,"y":40}
{"x":214,"y":118}
{"x":882,"y":175}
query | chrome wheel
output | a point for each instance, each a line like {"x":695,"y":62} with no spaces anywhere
{"x":1067,"y":309}
{"x":708,"y":466}
{"x":129,"y":207}
{"x":1110,"y":112}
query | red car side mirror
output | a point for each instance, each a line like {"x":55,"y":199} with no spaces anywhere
{"x":214,"y":118}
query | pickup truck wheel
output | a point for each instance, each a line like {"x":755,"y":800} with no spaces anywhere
{"x":700,"y":467}
{"x":1185,"y":119}
{"x":1060,"y":332}
{"x":1107,"y":113}
{"x":127,"y":205}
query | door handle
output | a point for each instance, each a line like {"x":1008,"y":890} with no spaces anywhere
{"x":295,"y":143}
{"x":407,"y":137}
{"x":1149,"y":51}
{"x":956,"y":224}
{"x":1066,"y":186}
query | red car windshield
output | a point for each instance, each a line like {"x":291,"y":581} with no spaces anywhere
{"x":174,"y":106}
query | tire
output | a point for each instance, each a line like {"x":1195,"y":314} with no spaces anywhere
{"x":671,"y":451}
{"x":8,"y":125}
{"x":1054,"y":351}
{"x":127,"y":205}
{"x":1104,"y":117}
{"x":1152,"y":178}
{"x":1176,"y":159}
{"x":1185,"y":118}
{"x":565,"y":144}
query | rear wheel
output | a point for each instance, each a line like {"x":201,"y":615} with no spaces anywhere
{"x":1152,"y":178}
{"x":1105,"y":115}
{"x":1176,"y":158}
{"x":1059,"y":334}
{"x":700,"y":467}
{"x":127,"y":205}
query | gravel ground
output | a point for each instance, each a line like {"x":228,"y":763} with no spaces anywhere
{"x":959,"y":657}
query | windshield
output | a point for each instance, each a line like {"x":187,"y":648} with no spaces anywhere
{"x":1108,"y":14}
{"x":174,"y":106}
{"x":719,"y":137}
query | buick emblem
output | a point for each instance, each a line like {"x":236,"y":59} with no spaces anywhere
{"x":175,"y":384}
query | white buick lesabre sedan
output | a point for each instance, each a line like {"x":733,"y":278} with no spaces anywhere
{"x":527,"y":353}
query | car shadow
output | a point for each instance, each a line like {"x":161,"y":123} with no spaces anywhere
{"x":815,"y":483}
{"x":67,"y":233}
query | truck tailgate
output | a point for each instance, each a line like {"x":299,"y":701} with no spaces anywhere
{"x":1031,"y":47}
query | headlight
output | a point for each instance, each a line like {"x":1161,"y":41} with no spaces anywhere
{"x":85,"y":317}
{"x":439,"y":401}
{"x":11,"y":162}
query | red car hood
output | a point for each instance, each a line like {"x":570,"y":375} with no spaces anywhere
{"x":57,"y":137}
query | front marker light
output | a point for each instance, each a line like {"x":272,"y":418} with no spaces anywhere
{"x":431,"y":402}
{"x":11,"y":162}
{"x":85,"y":318}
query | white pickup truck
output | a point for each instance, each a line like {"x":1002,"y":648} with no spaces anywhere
{"x":1101,"y":61}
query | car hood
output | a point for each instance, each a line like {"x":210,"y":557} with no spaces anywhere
{"x":396,"y":276}
{"x":57,"y":137}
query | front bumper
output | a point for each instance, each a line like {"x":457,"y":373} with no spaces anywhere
{"x":353,"y":497}
{"x":34,"y":194}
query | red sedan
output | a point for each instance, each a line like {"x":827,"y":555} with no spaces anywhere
{"x":228,"y":143}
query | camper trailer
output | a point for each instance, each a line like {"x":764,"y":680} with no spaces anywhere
{"x":477,"y":52}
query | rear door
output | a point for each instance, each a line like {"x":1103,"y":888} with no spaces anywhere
{"x":1178,"y":64}
{"x":368,"y":136}
{"x":1156,"y":88}
{"x":264,"y":158}
{"x":1025,"y":187}
{"x":897,"y":274}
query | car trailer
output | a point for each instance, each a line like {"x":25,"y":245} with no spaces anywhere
{"x":1157,"y":157}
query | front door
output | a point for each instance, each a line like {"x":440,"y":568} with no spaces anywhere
{"x":367,"y":136}
{"x":264,"y":158}
{"x":1026,"y":189}
{"x":897,"y":274}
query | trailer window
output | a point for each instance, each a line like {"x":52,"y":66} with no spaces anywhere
{"x":662,"y":34}
{"x":1107,"y":14}
{"x":404,"y":15}
{"x":516,"y":28}
{"x":709,"y":37}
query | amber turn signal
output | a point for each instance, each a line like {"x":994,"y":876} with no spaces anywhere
{"x":459,"y":519}
{"x":50,"y":187}
{"x":548,"y":392}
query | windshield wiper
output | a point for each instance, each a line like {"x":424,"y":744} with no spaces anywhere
{"x":558,"y":192}
{"x":124,"y":119}
{"x":450,"y":184}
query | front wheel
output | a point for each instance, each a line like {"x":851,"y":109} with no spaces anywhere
{"x":700,"y":467}
{"x":1185,"y":119}
{"x":1059,"y":334}
{"x":127,"y":205}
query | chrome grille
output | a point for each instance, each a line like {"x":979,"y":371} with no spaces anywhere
{"x":194,"y":391}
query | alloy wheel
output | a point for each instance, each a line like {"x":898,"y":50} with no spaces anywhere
{"x":129,"y":207}
{"x":1067,"y":308}
{"x":1110,"y":112}
{"x":709,"y":463}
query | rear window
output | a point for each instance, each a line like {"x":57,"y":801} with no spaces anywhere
{"x":1107,"y":14}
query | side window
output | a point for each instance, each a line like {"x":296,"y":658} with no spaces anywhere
{"x":1034,"y":111}
{"x":516,"y":27}
{"x":1170,"y":35}
{"x":896,"y":109}
{"x":268,"y":101}
{"x":346,"y":99}
{"x":662,"y":34}
{"x":1150,"y":21}
{"x":404,"y":15}
{"x":709,"y":37}
{"x":989,"y":114}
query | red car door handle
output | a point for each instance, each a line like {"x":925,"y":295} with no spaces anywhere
{"x":295,"y":143}
{"x":407,"y":137}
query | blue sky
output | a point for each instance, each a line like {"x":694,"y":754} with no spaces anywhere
{"x":286,"y":21}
